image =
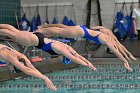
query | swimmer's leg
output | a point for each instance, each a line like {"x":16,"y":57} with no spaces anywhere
{"x":9,"y":27}
{"x":51,"y":31}
{"x":8,"y":33}
{"x":52,"y":25}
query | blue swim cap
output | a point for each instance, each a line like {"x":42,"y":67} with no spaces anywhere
{"x":66,"y":60}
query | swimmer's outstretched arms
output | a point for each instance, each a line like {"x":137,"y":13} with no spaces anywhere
{"x":32,"y":39}
{"x":12,"y":57}
{"x":102,"y":36}
{"x":40,"y":41}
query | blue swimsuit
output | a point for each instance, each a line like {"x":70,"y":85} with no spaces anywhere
{"x":48,"y":48}
{"x":89,"y":37}
{"x":41,"y":45}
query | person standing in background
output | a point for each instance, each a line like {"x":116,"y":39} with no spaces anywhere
{"x":136,"y":16}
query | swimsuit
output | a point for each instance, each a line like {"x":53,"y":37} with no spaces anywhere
{"x":89,"y":37}
{"x":45,"y":47}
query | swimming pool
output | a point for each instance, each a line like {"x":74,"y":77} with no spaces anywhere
{"x":109,"y":78}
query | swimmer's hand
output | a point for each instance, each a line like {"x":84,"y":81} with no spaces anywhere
{"x":49,"y":84}
{"x":128,"y":67}
{"x":91,"y":67}
{"x":132,"y":57}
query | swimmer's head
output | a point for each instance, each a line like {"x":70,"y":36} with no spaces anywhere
{"x":21,"y":60}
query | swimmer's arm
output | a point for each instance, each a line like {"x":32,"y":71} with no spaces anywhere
{"x":105,"y":31}
{"x":27,"y":61}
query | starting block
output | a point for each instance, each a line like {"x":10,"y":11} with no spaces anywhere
{"x":36,"y":59}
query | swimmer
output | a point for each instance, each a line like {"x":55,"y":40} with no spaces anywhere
{"x":38,"y":40}
{"x":114,"y":40}
{"x":12,"y":57}
{"x":103,"y":36}
{"x":32,"y":39}
{"x":69,"y":31}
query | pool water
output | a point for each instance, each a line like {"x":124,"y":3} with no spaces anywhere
{"x":108,"y":78}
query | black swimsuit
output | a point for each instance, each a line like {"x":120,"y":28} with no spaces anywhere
{"x":41,"y":45}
